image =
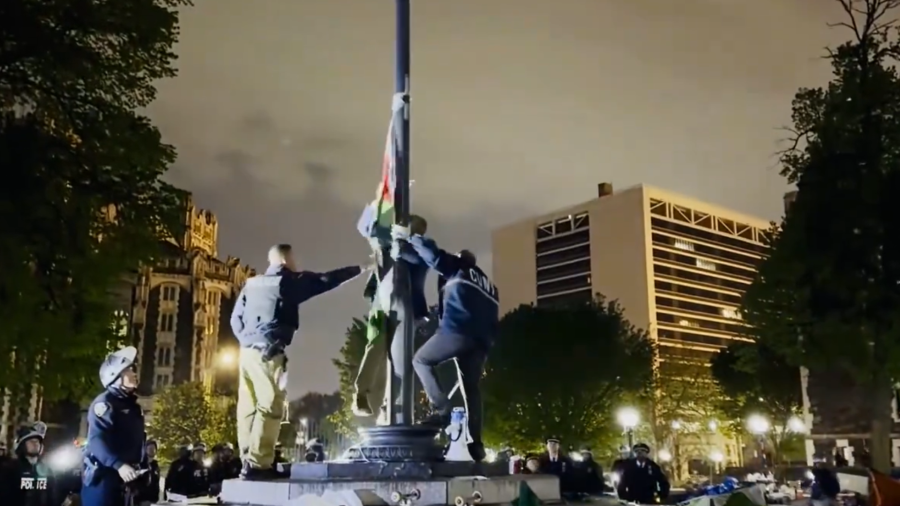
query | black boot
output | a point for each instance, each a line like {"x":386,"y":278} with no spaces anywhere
{"x":476,"y":450}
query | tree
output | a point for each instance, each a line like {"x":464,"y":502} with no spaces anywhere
{"x":828,"y":295}
{"x":83,"y":202}
{"x":351,"y":356}
{"x":758,"y":381}
{"x":315,"y":406}
{"x":563,"y":371}
{"x":186,"y":414}
{"x":683,"y":404}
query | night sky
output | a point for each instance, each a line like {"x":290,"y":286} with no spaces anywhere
{"x":519,"y":107}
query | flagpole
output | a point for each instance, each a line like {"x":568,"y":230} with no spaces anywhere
{"x":401,"y":200}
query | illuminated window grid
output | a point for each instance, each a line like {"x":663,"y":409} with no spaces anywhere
{"x":564,"y":260}
{"x":702,"y":265}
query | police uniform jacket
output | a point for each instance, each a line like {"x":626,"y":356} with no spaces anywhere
{"x":589,"y":477}
{"x":469,"y":300}
{"x":266,"y":312}
{"x":149,"y":491}
{"x":642,"y":481}
{"x":181,"y":472}
{"x":25,"y":484}
{"x":115,"y":431}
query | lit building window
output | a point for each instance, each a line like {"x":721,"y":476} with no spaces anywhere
{"x":684,"y":245}
{"x":731,"y":313}
{"x":706,"y":264}
{"x":688,"y":323}
{"x":169,"y":293}
{"x":167,"y":322}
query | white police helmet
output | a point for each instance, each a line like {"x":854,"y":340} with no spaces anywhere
{"x":37,"y":430}
{"x":116,"y":364}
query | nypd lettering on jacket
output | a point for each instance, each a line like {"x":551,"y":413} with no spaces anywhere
{"x":469,"y":299}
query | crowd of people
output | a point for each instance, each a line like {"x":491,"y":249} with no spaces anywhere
{"x":635,"y":476}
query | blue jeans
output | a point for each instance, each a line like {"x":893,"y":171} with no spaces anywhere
{"x":470,"y":356}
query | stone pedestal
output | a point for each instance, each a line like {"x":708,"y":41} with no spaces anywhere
{"x":458,"y":491}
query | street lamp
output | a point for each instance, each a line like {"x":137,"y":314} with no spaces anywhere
{"x":716,"y":457}
{"x":757,"y":424}
{"x":676,"y":425}
{"x":628,"y":418}
{"x":226,"y":358}
{"x":713,"y":425}
{"x":796,"y":425}
{"x":664,"y":455}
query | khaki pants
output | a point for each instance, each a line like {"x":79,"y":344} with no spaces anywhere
{"x":260,"y":407}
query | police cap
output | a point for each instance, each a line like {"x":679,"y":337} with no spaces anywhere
{"x":199,"y":447}
{"x":115,"y":364}
{"x":552,"y":440}
{"x":152,"y":442}
{"x":641,"y":447}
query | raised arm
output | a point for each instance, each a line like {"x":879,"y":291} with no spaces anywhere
{"x":311,"y":284}
{"x":444,"y":263}
{"x":237,"y":314}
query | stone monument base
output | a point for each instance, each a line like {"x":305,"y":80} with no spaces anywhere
{"x":457,"y":491}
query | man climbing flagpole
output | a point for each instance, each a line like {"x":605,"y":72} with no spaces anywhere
{"x":395,"y":289}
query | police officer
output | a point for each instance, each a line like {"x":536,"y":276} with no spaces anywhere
{"x":115,"y":440}
{"x":642,"y":481}
{"x":150,"y":492}
{"x":264,"y":320}
{"x":588,"y":474}
{"x":181,"y":472}
{"x":554,"y":462}
{"x":469,"y":320}
{"x":200,"y":481}
{"x":25,"y":480}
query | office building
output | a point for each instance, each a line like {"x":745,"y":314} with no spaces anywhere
{"x":677,"y":266}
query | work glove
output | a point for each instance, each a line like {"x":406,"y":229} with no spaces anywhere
{"x":128,"y":473}
{"x":399,"y":232}
{"x":395,"y":250}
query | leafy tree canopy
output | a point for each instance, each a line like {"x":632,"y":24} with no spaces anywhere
{"x":828,"y":296}
{"x":563,"y":371}
{"x":83,"y":201}
{"x":758,"y":381}
{"x":186,"y":414}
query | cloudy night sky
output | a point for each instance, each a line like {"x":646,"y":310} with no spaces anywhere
{"x":519,"y":106}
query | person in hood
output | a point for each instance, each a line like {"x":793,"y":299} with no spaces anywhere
{"x":264,"y":320}
{"x":116,"y":434}
{"x":25,"y":480}
{"x":642,"y":480}
{"x":469,"y":320}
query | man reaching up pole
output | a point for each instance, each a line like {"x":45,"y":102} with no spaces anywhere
{"x":264,"y":320}
{"x":468,"y":325}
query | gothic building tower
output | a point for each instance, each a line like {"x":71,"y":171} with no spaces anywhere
{"x":180,"y":319}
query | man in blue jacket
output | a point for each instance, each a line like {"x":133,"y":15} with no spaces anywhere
{"x":264,"y":320}
{"x":468,"y":325}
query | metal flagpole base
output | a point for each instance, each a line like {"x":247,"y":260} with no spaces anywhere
{"x":399,"y":443}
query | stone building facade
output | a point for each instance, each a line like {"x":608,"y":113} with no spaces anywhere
{"x":182,"y":306}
